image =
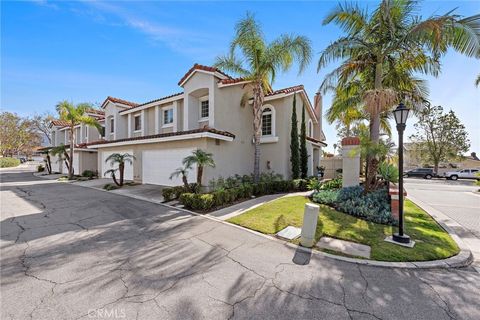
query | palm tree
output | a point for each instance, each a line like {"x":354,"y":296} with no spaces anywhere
{"x":61,"y":152}
{"x":182,"y":171}
{"x":259,"y":63}
{"x":75,"y":115}
{"x":120,"y":159}
{"x":477,"y":81}
{"x":201,"y":159}
{"x":390,"y":42}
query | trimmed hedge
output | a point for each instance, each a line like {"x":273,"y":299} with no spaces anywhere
{"x":373,"y":206}
{"x":7,"y":162}
{"x":173,"y":193}
{"x":224,"y":196}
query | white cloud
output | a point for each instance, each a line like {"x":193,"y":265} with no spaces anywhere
{"x":45,"y":3}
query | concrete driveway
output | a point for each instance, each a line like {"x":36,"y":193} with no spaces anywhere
{"x":457,"y":201}
{"x":69,"y":252}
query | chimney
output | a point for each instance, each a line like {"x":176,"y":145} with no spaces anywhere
{"x":317,"y":106}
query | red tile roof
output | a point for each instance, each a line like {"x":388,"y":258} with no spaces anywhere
{"x":95,"y":111}
{"x":231,"y":81}
{"x":286,"y":90}
{"x":169,"y":134}
{"x":197,"y":66}
{"x":156,"y":100}
{"x":121,"y":101}
{"x":59,"y":123}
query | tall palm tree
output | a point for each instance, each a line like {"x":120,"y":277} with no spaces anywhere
{"x":75,"y":115}
{"x":181,"y":171}
{"x":120,"y":159}
{"x":259,"y":63}
{"x":202,"y":159}
{"x":389,"y":42}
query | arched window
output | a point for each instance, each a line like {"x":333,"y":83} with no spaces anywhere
{"x":268,"y":121}
{"x":310,"y":128}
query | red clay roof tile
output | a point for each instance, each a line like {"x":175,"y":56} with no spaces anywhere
{"x":197,"y":66}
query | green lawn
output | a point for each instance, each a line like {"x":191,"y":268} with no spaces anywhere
{"x":432,"y":242}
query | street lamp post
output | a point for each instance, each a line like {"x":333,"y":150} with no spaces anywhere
{"x":400,"y":114}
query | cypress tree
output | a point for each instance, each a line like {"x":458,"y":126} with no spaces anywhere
{"x":303,"y":148}
{"x":294,"y":147}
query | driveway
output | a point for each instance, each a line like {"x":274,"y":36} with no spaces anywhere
{"x":68,"y":252}
{"x":457,"y":201}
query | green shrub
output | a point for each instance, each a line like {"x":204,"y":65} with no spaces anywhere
{"x":314,"y":184}
{"x":168,"y":194}
{"x":8,"y":162}
{"x":110,"y":186}
{"x":173,"y":193}
{"x":197,"y":201}
{"x":89,"y":173}
{"x":300,"y":185}
{"x":331,"y":184}
{"x":328,"y":197}
{"x":40,"y":168}
{"x":388,"y":172}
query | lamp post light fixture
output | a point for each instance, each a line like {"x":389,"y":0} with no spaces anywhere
{"x":400,"y":114}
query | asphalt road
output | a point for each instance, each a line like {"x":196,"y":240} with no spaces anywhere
{"x":69,"y":252}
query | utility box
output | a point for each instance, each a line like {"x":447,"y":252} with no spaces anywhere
{"x":309,"y":227}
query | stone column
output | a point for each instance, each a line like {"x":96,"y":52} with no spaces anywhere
{"x":350,"y":161}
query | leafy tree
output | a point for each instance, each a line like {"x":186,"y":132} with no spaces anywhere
{"x":303,"y":148}
{"x":17,"y":134}
{"x":440,"y":136}
{"x":384,"y":49}
{"x":41,"y":122}
{"x":260,"y":62}
{"x":182,"y":171}
{"x":120,"y":159}
{"x":75,"y":115}
{"x":202,"y":159}
{"x":294,"y":147}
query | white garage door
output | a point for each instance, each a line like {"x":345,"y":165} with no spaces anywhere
{"x":75,"y":165}
{"x":158,"y":165}
{"x":128,"y":174}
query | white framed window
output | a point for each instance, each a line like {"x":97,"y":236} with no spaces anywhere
{"x":137,"y":122}
{"x":204,"y":108}
{"x":112,"y":125}
{"x":167,"y":117}
{"x":310,"y":128}
{"x":86,"y":132}
{"x":267,"y":121}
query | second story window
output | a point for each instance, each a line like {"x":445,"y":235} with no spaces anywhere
{"x":204,"y":108}
{"x":112,"y":125}
{"x":267,"y":122}
{"x":167,"y":117}
{"x":137,"y":120}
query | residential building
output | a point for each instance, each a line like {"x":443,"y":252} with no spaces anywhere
{"x":206,"y":114}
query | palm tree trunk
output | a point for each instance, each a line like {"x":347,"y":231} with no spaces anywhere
{"x":49,"y":164}
{"x":72,"y":146}
{"x":199,"y":175}
{"x":372,"y":160}
{"x":121,"y":168}
{"x":185,"y":181}
{"x":258,"y":97}
{"x":115,"y":180}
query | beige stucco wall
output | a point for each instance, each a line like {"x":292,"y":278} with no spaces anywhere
{"x":331,"y":164}
{"x":88,"y":161}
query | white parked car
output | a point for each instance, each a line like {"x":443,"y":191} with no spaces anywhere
{"x":462,"y":174}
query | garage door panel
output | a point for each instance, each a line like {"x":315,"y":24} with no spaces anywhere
{"x":128,"y":173}
{"x":158,"y":165}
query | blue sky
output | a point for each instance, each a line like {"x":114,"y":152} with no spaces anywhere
{"x":87,"y":50}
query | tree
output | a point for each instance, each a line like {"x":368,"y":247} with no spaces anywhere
{"x":383,"y":49}
{"x":259,"y":64}
{"x":41,"y":122}
{"x":62,"y":152}
{"x":440,"y":136}
{"x":16,"y":134}
{"x":120,"y":159}
{"x":294,"y":147}
{"x":202,"y":159}
{"x":182,"y":171}
{"x":75,"y":115}
{"x":303,"y":148}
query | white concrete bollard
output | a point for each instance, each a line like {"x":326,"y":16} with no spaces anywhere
{"x":310,"y":218}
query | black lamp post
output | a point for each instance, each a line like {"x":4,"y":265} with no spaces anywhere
{"x":401,"y":115}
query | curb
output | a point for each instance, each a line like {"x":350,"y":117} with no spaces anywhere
{"x":462,"y":259}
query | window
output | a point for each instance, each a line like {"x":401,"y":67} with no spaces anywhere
{"x":310,"y":128}
{"x":167,"y":116}
{"x":86,"y":132}
{"x":137,"y":120}
{"x":112,"y":125}
{"x":267,"y":122}
{"x":204,"y":109}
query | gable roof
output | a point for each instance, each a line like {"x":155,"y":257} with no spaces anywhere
{"x":120,"y":101}
{"x":153,"y":101}
{"x":59,"y":123}
{"x":199,"y":67}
